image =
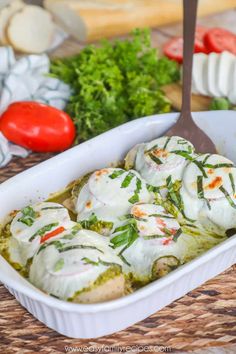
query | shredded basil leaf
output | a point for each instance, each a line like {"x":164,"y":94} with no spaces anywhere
{"x":116,"y":174}
{"x":232,"y":182}
{"x":126,"y":182}
{"x":227,"y":196}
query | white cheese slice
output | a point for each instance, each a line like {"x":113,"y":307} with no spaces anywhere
{"x":232,"y":91}
{"x":29,"y":226}
{"x":212,"y":70}
{"x":67,"y":266}
{"x":224,"y":73}
{"x":160,"y":158}
{"x":199,"y":73}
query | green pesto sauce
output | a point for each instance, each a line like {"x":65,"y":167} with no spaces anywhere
{"x":110,"y":273}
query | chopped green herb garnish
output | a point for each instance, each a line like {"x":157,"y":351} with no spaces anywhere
{"x":29,"y":216}
{"x":74,"y":247}
{"x":200,"y":191}
{"x":53,"y":208}
{"x":177,"y":234}
{"x":116,"y":174}
{"x":151,"y":149}
{"x":153,"y":188}
{"x":128,"y":234}
{"x":89,"y":261}
{"x":100,"y":261}
{"x":206,"y":158}
{"x":149,"y":237}
{"x":135,"y":198}
{"x":227,"y":196}
{"x":232,"y":182}
{"x":55,"y":243}
{"x":155,"y":159}
{"x":161,"y":216}
{"x":167,"y":142}
{"x":219,"y":165}
{"x":126,"y":182}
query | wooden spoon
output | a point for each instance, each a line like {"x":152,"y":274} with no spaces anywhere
{"x":185,"y":126}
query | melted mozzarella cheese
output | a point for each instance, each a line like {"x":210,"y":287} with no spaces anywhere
{"x":26,"y":226}
{"x":160,"y":158}
{"x":110,"y":193}
{"x":156,"y":230}
{"x":210,"y":196}
{"x":68,"y":266}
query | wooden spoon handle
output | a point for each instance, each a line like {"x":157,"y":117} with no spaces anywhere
{"x":190,"y":15}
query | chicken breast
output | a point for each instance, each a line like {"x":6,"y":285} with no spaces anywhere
{"x":162,"y":157}
{"x":79,"y":268}
{"x":34,"y":225}
{"x":109,"y":194}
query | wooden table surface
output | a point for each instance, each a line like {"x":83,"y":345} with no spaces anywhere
{"x":204,"y":318}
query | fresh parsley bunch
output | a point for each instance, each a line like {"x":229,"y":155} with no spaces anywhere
{"x":115,"y":82}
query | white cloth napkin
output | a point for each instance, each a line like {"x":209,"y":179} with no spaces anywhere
{"x":26,"y":79}
{"x":7,"y":150}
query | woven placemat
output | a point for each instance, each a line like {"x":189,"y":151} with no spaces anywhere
{"x":206,"y":317}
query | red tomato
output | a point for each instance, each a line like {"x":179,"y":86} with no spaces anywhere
{"x":199,"y":46}
{"x":173,"y":49}
{"x":218,"y":39}
{"x":37,"y":127}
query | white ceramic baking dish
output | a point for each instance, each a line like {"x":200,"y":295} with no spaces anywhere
{"x":90,"y":321}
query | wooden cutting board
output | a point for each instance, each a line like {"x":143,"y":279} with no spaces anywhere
{"x":173,"y":92}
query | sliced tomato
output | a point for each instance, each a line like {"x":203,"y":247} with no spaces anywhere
{"x":218,"y":39}
{"x":51,"y":234}
{"x":173,"y":49}
{"x":199,"y":46}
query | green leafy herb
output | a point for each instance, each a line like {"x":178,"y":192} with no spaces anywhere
{"x":227,"y":196}
{"x":100,"y":261}
{"x":135,"y":198}
{"x":53,"y":208}
{"x":28,"y":216}
{"x":128,"y":234}
{"x":177,"y":234}
{"x":200,"y":191}
{"x":168,"y":139}
{"x":232,"y":182}
{"x":100,"y":226}
{"x":219,"y":165}
{"x":162,"y":216}
{"x":115,"y":82}
{"x":174,"y":196}
{"x":74,"y":247}
{"x":155,"y":159}
{"x":116,"y":174}
{"x":126,"y":182}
